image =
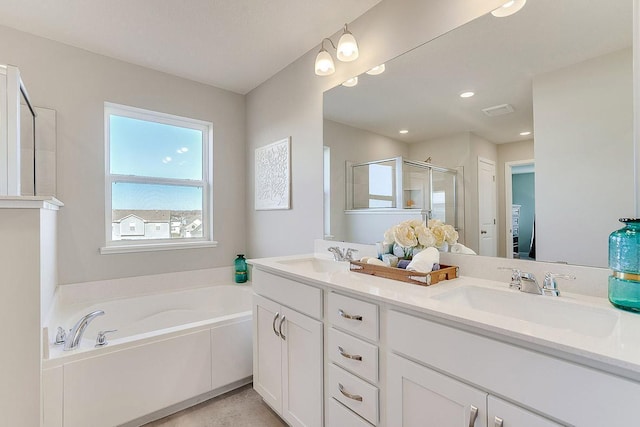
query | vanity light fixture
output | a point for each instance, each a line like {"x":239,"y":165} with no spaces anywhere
{"x":378,"y":69}
{"x":404,"y":131}
{"x":509,"y":8}
{"x":525,"y":133}
{"x":347,"y":46}
{"x":351,"y":82}
{"x":346,"y":51}
{"x":467,"y":94}
{"x":324,"y":61}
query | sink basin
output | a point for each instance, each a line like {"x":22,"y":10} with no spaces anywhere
{"x":315,"y":265}
{"x":547,"y":311}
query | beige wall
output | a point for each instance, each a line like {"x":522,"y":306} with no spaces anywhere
{"x":583,"y":122}
{"x":76,"y":83}
{"x":290,"y":104}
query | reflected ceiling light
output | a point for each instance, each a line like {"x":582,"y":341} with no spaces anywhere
{"x":509,"y":8}
{"x":347,"y":46}
{"x":351,"y":82}
{"x":467,"y":94}
{"x":525,"y":133}
{"x":346,"y":51}
{"x":404,"y":131}
{"x":379,"y":69}
{"x":324,"y":62}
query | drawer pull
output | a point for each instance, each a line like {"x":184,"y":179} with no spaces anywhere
{"x":349,"y":316}
{"x":349,"y":395}
{"x":498,"y":421}
{"x":349,"y":356}
{"x":273,"y":325}
{"x":473,"y":414}
{"x":280,"y":328}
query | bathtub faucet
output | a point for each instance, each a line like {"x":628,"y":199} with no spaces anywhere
{"x":75,"y":335}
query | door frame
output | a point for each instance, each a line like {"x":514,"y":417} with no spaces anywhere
{"x":508,"y":201}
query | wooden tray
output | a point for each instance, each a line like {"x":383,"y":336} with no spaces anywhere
{"x":446,"y":272}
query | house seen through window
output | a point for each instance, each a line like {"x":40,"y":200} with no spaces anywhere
{"x":158,"y":169}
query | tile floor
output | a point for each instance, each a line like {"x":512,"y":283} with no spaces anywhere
{"x":239,"y":408}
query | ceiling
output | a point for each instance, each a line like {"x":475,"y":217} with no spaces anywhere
{"x":497,"y":58}
{"x":231,"y":44}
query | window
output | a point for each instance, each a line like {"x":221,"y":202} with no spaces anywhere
{"x":158,"y":180}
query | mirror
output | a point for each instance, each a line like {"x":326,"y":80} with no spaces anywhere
{"x":560,"y":70}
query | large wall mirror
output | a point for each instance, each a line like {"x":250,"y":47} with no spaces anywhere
{"x":543,"y":149}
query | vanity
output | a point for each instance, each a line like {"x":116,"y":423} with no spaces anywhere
{"x":338,"y":348}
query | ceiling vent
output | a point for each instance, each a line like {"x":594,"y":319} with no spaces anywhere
{"x":498,"y":110}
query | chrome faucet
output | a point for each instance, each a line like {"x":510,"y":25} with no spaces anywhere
{"x":526,"y":282}
{"x":75,"y":334}
{"x":342,"y":255}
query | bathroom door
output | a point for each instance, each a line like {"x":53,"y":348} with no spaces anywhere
{"x":487,"y":207}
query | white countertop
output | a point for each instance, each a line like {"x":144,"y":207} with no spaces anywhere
{"x":616,"y":351}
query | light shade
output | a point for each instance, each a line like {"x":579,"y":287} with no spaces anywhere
{"x":351,"y":82}
{"x":347,"y":47}
{"x":378,"y":69}
{"x":509,"y":8}
{"x":324,"y":63}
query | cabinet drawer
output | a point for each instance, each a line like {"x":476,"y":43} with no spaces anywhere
{"x":356,"y":356}
{"x":303,"y":298}
{"x":356,"y":394}
{"x":353,"y":315}
{"x":339,"y":416}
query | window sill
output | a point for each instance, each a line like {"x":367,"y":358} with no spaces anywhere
{"x":153,"y":247}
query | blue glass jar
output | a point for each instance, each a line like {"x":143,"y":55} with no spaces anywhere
{"x":240,"y":265}
{"x":624,"y":260}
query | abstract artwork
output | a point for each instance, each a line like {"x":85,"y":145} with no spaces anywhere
{"x":273,"y":176}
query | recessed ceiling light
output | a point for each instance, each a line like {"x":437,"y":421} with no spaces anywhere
{"x":525,"y":133}
{"x":379,"y":69}
{"x":468,"y":94}
{"x":351,"y":82}
{"x":404,"y":131}
{"x":509,"y":8}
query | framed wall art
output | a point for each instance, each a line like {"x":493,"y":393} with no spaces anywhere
{"x":273,"y":176}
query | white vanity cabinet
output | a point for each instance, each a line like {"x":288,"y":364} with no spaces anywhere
{"x":553,"y":388}
{"x":287,"y":350}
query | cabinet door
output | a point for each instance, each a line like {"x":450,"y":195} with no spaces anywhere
{"x":267,"y":352}
{"x":420,"y":397}
{"x":504,"y":414}
{"x":301,"y":369}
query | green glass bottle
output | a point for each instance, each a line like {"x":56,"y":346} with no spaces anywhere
{"x":241,"y":269}
{"x":624,"y":260}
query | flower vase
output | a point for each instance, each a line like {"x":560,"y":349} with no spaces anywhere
{"x":401,"y":252}
{"x":444,"y":247}
{"x":624,"y":261}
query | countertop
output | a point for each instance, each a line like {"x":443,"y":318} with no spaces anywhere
{"x":609,"y":342}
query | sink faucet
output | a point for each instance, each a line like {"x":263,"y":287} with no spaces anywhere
{"x":526,"y":282}
{"x":75,"y":335}
{"x":342,"y":255}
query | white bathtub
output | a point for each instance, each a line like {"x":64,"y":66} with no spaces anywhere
{"x":174,"y":348}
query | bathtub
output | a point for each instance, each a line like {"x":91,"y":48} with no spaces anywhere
{"x":170,"y":351}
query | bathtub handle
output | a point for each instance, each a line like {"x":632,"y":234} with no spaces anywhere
{"x":101,"y":339}
{"x":280,"y":328}
{"x":273,"y":325}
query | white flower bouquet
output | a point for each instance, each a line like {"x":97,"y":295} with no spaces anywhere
{"x":414,"y":235}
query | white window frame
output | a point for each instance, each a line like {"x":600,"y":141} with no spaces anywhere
{"x":124,"y":246}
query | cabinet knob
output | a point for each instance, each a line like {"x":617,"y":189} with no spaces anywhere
{"x":280,"y":327}
{"x":273,"y":325}
{"x":349,"y":395}
{"x":349,"y":316}
{"x":349,"y":356}
{"x":473,"y":415}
